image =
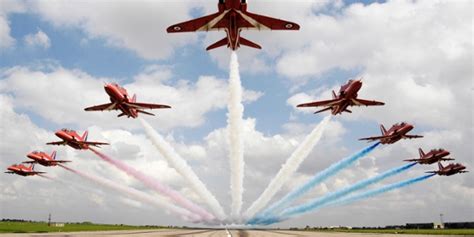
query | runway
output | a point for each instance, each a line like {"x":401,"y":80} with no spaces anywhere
{"x":212,"y":233}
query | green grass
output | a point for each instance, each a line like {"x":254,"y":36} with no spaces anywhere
{"x":42,"y":227}
{"x":409,"y":231}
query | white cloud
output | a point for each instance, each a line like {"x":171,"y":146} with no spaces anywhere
{"x":410,"y":57}
{"x":190,"y":101}
{"x":137,"y":26}
{"x":414,"y":55}
{"x":8,"y":7}
{"x":39,"y":39}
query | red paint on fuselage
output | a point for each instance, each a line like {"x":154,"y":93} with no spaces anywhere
{"x":119,"y":95}
{"x":72,"y":139}
{"x":233,"y":29}
{"x":346,"y":92}
{"x":433,"y":156}
{"x":451,"y":169}
{"x":22,"y":170}
{"x":396,"y":133}
{"x":43,"y":158}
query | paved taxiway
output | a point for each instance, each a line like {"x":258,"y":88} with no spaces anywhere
{"x":213,"y":233}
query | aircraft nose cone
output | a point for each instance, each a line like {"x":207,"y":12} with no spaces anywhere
{"x":358,"y":83}
{"x":108,"y":88}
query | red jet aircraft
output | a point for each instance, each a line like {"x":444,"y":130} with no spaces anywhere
{"x":120,"y":100}
{"x":394,"y":134}
{"x":433,"y":156}
{"x":233,"y":17}
{"x":347,"y":97}
{"x":44,"y":159}
{"x":23,"y":170}
{"x":449,"y":169}
{"x":72,"y":139}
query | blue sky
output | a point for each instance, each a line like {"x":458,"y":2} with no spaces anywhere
{"x":71,"y":48}
{"x":416,"y":63}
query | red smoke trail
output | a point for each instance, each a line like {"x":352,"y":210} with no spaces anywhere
{"x":157,"y":186}
{"x":136,"y":194}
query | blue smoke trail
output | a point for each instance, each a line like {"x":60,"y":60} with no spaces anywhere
{"x":370,"y":193}
{"x":320,"y":202}
{"x":317,"y":179}
{"x":380,"y":190}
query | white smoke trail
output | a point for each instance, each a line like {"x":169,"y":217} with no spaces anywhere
{"x":176,"y":161}
{"x":234,"y":136}
{"x":160,"y":203}
{"x":290,"y":166}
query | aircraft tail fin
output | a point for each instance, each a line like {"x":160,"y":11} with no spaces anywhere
{"x":84,"y":136}
{"x":134,"y":98}
{"x":334,"y":96}
{"x":382,"y":129}
{"x":440,"y":166}
{"x":248,"y":43}
{"x":220,"y":43}
{"x":120,"y":115}
{"x":53,"y":155}
{"x":422,"y":153}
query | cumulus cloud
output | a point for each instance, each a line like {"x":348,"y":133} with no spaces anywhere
{"x":414,"y":55}
{"x":78,"y":90}
{"x":420,"y":67}
{"x":8,"y":7}
{"x":39,"y":39}
{"x":137,"y":26}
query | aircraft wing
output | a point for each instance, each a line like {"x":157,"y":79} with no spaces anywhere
{"x":29,"y":162}
{"x":260,"y":22}
{"x":373,"y":138}
{"x":412,"y":136}
{"x":412,"y":160}
{"x":36,"y":172}
{"x":95,"y":143}
{"x":60,"y":161}
{"x":205,"y":23}
{"x":9,"y":172}
{"x":102,"y":107}
{"x":361,"y":102}
{"x":321,"y":103}
{"x":56,"y":143}
{"x":445,"y":159}
{"x":147,"y":106}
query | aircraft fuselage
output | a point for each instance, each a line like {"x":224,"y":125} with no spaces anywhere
{"x":119,"y":95}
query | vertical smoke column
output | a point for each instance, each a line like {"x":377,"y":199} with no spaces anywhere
{"x":157,"y":186}
{"x":290,"y":166}
{"x":184,"y":169}
{"x":136,"y":194}
{"x":234,"y":136}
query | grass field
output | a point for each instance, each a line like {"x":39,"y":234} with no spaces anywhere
{"x":42,"y":227}
{"x":409,"y":231}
